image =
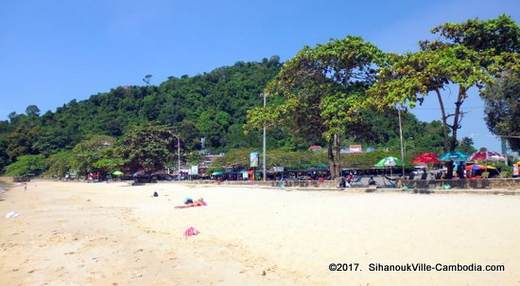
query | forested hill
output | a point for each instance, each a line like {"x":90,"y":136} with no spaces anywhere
{"x":211,"y":105}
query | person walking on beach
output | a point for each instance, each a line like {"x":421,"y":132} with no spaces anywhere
{"x":460,"y":170}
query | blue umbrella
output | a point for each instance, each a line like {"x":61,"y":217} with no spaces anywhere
{"x":453,"y":156}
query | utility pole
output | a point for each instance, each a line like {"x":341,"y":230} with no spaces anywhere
{"x":178,"y":159}
{"x":263,"y":147}
{"x":178,"y":156}
{"x":401,"y":138}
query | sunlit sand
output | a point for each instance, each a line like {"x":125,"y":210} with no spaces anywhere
{"x":114,"y":234}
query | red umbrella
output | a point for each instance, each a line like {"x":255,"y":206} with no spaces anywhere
{"x":426,"y":158}
{"x":484,"y":155}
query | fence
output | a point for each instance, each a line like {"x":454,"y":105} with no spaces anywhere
{"x":494,"y":183}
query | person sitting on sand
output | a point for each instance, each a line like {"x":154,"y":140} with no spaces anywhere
{"x":391,"y":181}
{"x":198,"y":203}
{"x":342,"y":183}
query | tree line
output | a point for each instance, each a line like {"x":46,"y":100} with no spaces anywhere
{"x":334,"y":84}
{"x":341,"y":92}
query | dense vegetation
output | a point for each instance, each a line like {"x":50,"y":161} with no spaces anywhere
{"x":334,"y":84}
{"x":475,"y":54}
{"x":211,"y":105}
{"x":334,"y":94}
{"x":503,"y":108}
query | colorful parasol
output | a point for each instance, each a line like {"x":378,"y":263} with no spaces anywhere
{"x":426,"y":158}
{"x":453,"y":156}
{"x":484,"y":155}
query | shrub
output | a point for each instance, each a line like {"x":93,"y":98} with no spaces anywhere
{"x":28,"y":165}
{"x":59,"y":164}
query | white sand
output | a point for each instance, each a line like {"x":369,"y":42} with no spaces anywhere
{"x":113,"y":234}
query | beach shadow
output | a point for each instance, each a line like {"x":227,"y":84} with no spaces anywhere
{"x":422,"y":191}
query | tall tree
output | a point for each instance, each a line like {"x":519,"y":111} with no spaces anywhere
{"x":466,"y":145}
{"x":149,"y":147}
{"x":4,"y":157}
{"x":318,"y":87}
{"x":60,"y":164}
{"x":32,"y":111}
{"x":465,"y":55}
{"x":503,"y":108}
{"x":413,"y":76}
{"x":495,"y":36}
{"x":90,"y":151}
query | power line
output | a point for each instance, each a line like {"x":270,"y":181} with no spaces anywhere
{"x":438,"y":108}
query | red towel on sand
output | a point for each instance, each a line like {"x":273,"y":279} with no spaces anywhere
{"x":190,"y":231}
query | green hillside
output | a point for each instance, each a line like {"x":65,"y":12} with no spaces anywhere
{"x":212,"y":105}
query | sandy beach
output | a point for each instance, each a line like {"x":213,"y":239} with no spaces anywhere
{"x":115,"y":234}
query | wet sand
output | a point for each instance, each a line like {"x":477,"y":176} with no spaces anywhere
{"x":114,"y":234}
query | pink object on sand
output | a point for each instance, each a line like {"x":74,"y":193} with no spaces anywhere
{"x":190,"y":231}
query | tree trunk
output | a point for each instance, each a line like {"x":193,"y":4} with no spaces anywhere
{"x":333,"y":156}
{"x":444,"y":120}
{"x":330,"y":156}
{"x":456,"y":118}
{"x":337,"y":149}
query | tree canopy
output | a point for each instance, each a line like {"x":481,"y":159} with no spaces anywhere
{"x":318,"y":87}
{"x":149,"y":147}
{"x":212,"y":105}
{"x":466,"y":55}
{"x":345,"y":90}
{"x":503,"y":108}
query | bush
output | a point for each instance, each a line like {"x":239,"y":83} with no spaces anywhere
{"x":28,"y":165}
{"x":59,"y":164}
{"x":304,"y":159}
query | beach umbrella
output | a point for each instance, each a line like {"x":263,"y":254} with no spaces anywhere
{"x":117,"y":173}
{"x":217,"y":173}
{"x":484,"y":155}
{"x":389,"y":162}
{"x":480,"y":167}
{"x":426,"y":158}
{"x":474,"y":167}
{"x":321,"y":166}
{"x":453,"y":156}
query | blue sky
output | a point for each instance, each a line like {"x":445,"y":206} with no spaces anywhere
{"x":54,"y":51}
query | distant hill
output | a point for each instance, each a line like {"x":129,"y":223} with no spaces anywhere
{"x":211,"y":105}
